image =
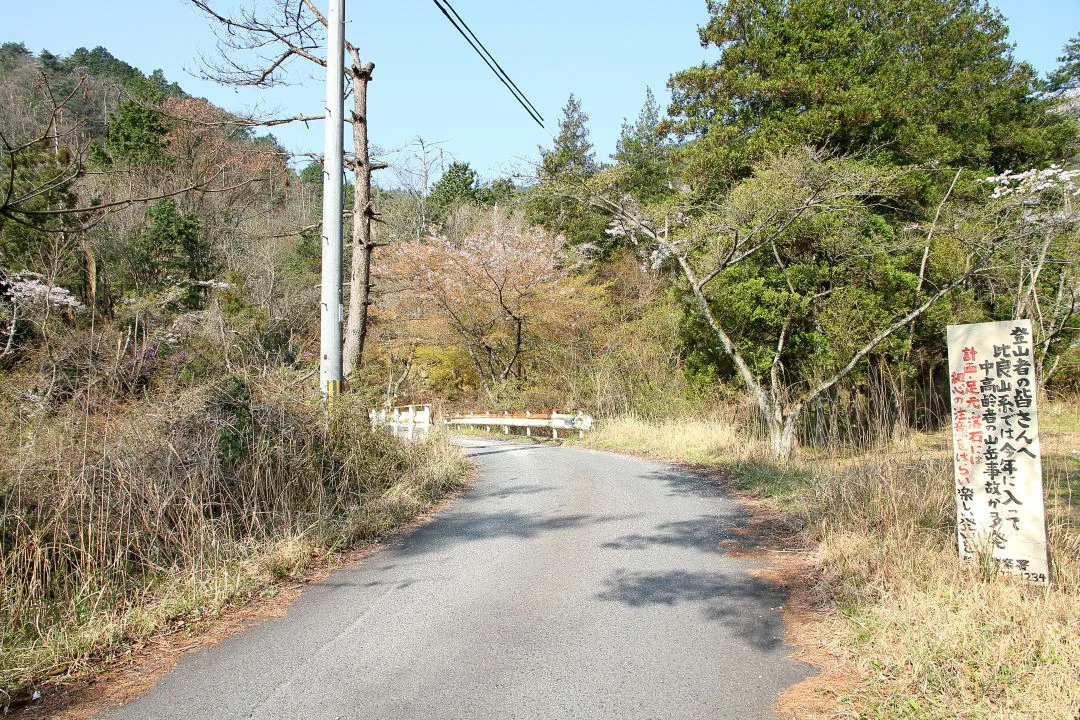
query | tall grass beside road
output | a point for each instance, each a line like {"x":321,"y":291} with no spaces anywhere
{"x":929,"y":635}
{"x":117,"y":521}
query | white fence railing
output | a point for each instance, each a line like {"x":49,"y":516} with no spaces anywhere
{"x":554,"y":420}
{"x":406,"y":420}
{"x":409,"y":419}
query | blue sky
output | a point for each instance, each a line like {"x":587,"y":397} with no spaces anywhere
{"x":429,"y":84}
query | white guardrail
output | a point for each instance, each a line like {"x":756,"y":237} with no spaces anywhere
{"x":404,"y":420}
{"x":410,"y":418}
{"x":527,"y":419}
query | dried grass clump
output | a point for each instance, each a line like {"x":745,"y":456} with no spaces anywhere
{"x":936,"y":637}
{"x":112,"y":522}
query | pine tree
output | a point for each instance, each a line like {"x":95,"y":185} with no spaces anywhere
{"x":571,"y":162}
{"x":910,"y":81}
{"x":1067,"y":76}
{"x":573,"y":153}
{"x":458,"y":185}
{"x":642,"y":155}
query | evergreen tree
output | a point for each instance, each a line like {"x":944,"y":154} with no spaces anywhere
{"x":171,"y":250}
{"x":573,"y":154}
{"x":99,"y":63}
{"x":458,"y":185}
{"x":136,"y":137}
{"x":912,"y":81}
{"x":51,"y":64}
{"x":13,"y":55}
{"x":1067,"y":76}
{"x":500,"y":190}
{"x":568,"y":164}
{"x":642,"y":155}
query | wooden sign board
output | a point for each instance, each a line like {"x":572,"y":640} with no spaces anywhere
{"x":999,"y":494}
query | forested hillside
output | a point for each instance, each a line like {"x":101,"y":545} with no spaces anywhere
{"x":785,"y":244}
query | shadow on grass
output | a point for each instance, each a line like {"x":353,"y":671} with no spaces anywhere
{"x":768,"y":480}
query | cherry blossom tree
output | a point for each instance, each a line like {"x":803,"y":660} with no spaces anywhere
{"x":504,"y":294}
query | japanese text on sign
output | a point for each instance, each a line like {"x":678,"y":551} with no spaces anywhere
{"x":999,"y":494}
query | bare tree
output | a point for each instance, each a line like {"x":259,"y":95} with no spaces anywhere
{"x":267,"y":42}
{"x":410,"y":217}
{"x":1040,"y":272}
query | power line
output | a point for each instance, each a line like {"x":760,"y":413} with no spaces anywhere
{"x":488,"y":59}
{"x":471,"y":33}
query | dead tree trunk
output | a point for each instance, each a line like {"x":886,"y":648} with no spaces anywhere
{"x":356,"y":325}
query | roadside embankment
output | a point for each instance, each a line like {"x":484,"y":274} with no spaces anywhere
{"x":123,"y":521}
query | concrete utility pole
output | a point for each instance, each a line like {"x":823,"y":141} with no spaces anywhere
{"x":330,"y":367}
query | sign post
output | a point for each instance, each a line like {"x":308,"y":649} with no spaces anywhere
{"x":1000,"y":510}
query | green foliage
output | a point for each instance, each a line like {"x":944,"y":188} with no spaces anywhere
{"x":830,"y":279}
{"x":42,"y":178}
{"x":498,"y":191}
{"x":136,"y":137}
{"x":156,"y":87}
{"x":13,"y":55}
{"x":305,"y":259}
{"x":446,"y":371}
{"x":572,"y":154}
{"x":232,"y":399}
{"x":170,"y":251}
{"x":458,"y":185}
{"x":1067,"y":75}
{"x":102,"y":64}
{"x":563,"y":169}
{"x":311,"y":179}
{"x":909,"y":81}
{"x":643,"y":156}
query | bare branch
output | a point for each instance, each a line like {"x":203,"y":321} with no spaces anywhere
{"x":291,"y":33}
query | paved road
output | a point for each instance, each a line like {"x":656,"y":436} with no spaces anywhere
{"x":566,"y":584}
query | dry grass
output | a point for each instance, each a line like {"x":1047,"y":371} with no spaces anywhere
{"x":929,"y":635}
{"x":706,"y":441}
{"x":934,"y":637}
{"x":114,"y":523}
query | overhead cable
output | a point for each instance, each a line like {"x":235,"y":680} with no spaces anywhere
{"x":473,"y":35}
{"x":446,"y":8}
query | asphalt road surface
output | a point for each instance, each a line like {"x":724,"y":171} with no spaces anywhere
{"x":566,"y":584}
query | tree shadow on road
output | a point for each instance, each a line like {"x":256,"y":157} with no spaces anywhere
{"x":683,"y":481}
{"x":483,"y":450}
{"x":745,"y":605}
{"x":465,"y":526}
{"x":504,"y":492}
{"x":705,"y":533}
